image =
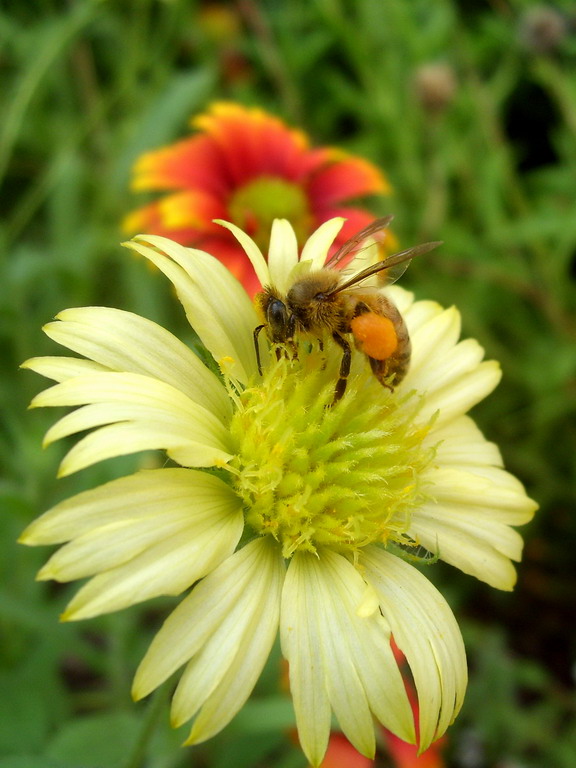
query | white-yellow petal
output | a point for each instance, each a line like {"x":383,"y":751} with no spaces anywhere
{"x":488,"y":493}
{"x":431,"y":342}
{"x":148,"y":410}
{"x":456,"y":361}
{"x":480,"y":550}
{"x":426,"y":631}
{"x":108,"y":545}
{"x":114,"y":544}
{"x":301,"y":636}
{"x":459,"y":394}
{"x":417,"y":313}
{"x":258,"y":628}
{"x":332,"y":646}
{"x":468,"y":522}
{"x":220,"y":603}
{"x":146,"y":495}
{"x":282,"y":254}
{"x":125,"y":342}
{"x":251,"y":249}
{"x":62,"y":368}
{"x":318,"y":244}
{"x":369,"y":642}
{"x":167,"y":567}
{"x":128,"y":437}
{"x":216,"y":304}
{"x":460,"y":442}
{"x":345,"y":689}
{"x":450,"y":374}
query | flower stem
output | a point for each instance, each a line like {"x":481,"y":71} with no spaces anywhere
{"x":155,"y":709}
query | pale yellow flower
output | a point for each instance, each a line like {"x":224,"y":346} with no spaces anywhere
{"x":310,"y":521}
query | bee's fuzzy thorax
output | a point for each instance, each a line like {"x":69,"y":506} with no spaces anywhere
{"x":309,"y":300}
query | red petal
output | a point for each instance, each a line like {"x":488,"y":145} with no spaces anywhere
{"x":346,"y":178}
{"x":191,"y":163}
{"x":252,"y":142}
{"x":406,"y":755}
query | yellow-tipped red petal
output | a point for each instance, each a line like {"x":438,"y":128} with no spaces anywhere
{"x":192,"y":208}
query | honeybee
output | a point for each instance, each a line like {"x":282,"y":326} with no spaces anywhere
{"x":325,"y":302}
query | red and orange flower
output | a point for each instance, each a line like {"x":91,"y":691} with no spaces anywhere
{"x":248,"y":167}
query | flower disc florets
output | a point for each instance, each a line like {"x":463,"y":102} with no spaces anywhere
{"x":313,"y":474}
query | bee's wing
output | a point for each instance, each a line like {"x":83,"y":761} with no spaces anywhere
{"x":394,"y":266}
{"x":356,"y":240}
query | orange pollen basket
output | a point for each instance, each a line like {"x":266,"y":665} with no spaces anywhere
{"x":375,"y":335}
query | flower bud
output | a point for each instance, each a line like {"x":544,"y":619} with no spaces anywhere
{"x":542,"y":29}
{"x":435,"y":86}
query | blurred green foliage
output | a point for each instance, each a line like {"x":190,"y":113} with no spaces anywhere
{"x":470,"y":108}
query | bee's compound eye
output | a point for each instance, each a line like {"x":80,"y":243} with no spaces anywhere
{"x":276,"y":312}
{"x":277,"y":316}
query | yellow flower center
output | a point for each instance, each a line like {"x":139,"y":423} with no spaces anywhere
{"x":255,"y":206}
{"x":313,"y":474}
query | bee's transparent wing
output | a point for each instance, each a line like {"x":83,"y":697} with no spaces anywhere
{"x":394,"y":266}
{"x":355,"y":242}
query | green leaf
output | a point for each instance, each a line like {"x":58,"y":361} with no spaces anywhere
{"x":265,"y":715}
{"x":95,"y":741}
{"x":24,"y":721}
{"x":28,"y":761}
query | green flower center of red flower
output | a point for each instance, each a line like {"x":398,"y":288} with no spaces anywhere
{"x":254,"y":207}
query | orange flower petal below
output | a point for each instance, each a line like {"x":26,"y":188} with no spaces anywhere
{"x":405,"y":755}
{"x":402,"y":754}
{"x":341,"y":754}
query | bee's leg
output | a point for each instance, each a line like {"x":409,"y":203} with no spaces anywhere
{"x":293,"y":348}
{"x":257,"y":348}
{"x":381,"y":369}
{"x":344,"y":366}
{"x":321,"y":350}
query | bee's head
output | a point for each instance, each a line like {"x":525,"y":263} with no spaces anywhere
{"x":278,"y":318}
